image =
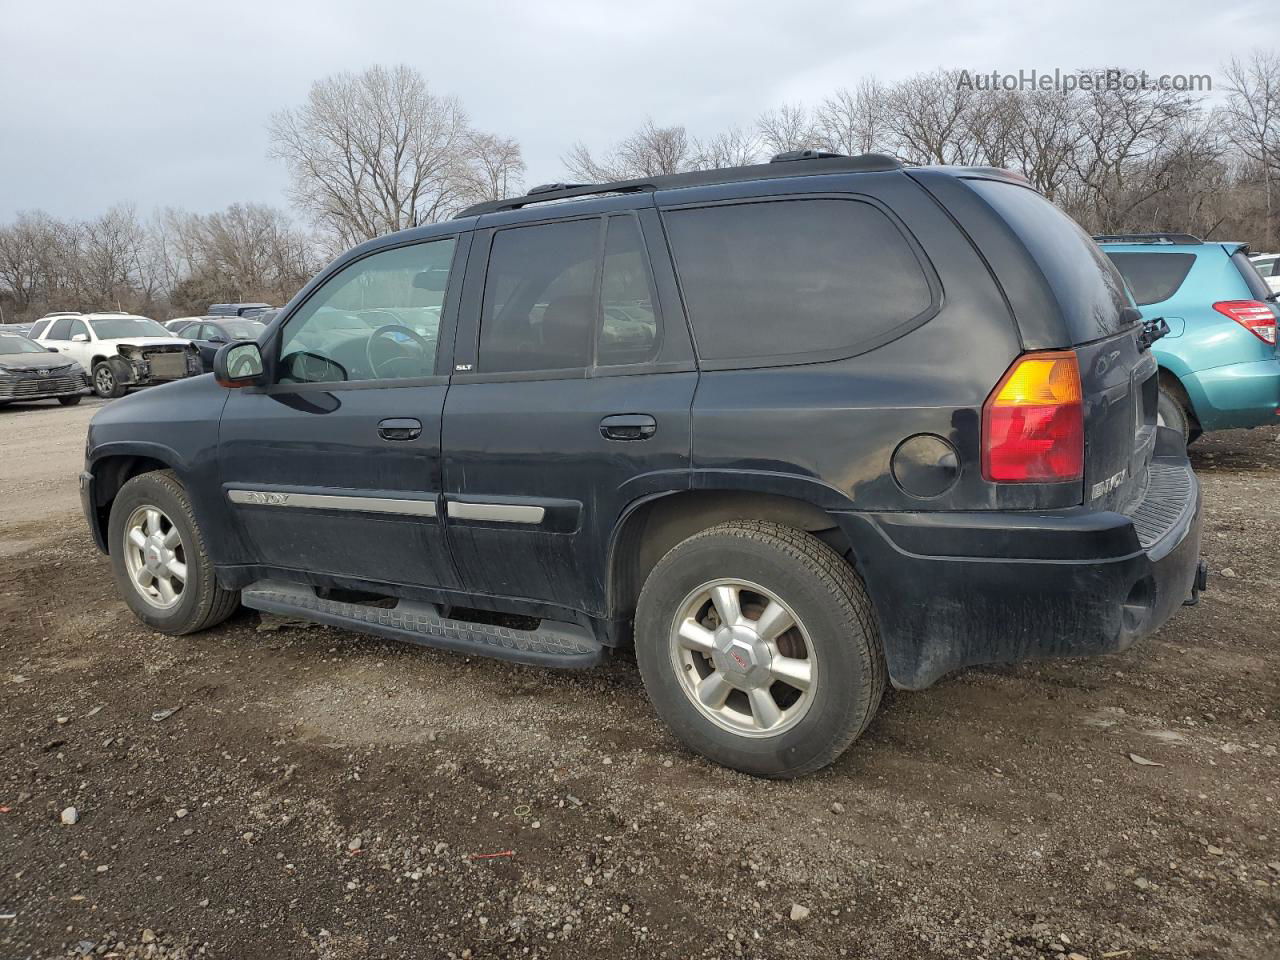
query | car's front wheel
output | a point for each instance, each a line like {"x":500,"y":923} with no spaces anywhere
{"x":105,"y":382}
{"x":158,"y":558}
{"x":758,"y":647}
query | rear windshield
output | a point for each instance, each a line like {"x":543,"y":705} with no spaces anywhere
{"x":1257,"y":286}
{"x":1153,"y":277}
{"x":1087,"y":286}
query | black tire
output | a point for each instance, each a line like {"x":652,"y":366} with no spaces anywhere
{"x":1175,"y":416}
{"x":202,"y":603}
{"x":70,"y":401}
{"x":825,"y":594}
{"x":105,"y":383}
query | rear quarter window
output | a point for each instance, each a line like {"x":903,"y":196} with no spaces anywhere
{"x":1253,"y":280}
{"x":792,"y":281}
{"x":1153,"y":277}
{"x":1087,"y":286}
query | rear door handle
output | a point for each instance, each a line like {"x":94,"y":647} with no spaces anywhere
{"x":628,"y":426}
{"x":400,"y":428}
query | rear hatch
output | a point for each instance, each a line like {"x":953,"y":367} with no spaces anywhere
{"x":1075,"y":281}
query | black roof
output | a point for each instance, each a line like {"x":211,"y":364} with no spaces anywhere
{"x":797,"y":163}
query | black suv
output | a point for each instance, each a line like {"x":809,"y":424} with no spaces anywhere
{"x":792,"y":429}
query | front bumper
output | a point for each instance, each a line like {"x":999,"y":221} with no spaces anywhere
{"x":32,"y":386}
{"x":1236,"y":395}
{"x":956,"y":589}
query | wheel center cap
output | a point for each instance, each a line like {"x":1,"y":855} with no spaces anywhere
{"x":741,"y":656}
{"x":153,"y":556}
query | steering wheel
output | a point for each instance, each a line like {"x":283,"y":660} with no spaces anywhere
{"x":401,"y":331}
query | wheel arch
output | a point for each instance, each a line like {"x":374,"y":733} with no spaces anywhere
{"x":1173,"y":385}
{"x":110,"y":474}
{"x":653,"y":525}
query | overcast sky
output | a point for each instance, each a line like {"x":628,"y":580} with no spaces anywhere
{"x":166,"y":103}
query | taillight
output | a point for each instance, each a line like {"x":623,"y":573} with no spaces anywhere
{"x":1254,"y":315}
{"x":1033,"y":422}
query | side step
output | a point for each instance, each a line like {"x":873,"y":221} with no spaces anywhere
{"x":553,"y":644}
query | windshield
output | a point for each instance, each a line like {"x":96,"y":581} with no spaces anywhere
{"x":11,"y":343}
{"x":114,"y":328}
{"x":242,"y":329}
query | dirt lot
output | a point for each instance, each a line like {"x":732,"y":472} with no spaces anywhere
{"x":321,"y":794}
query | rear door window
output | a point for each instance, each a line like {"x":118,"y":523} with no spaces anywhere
{"x":799,"y":280}
{"x":539,"y":299}
{"x":629,"y":323}
{"x":1086,"y":285}
{"x":1153,"y":277}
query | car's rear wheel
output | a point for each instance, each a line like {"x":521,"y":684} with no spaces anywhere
{"x":758,"y":647}
{"x":159,"y":559}
{"x":69,"y":401}
{"x":1172,"y":414}
{"x":105,"y":383}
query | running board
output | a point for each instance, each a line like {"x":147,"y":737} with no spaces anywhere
{"x":553,"y":644}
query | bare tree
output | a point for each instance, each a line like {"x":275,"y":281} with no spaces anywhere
{"x":734,"y":147}
{"x":1251,"y":119}
{"x":1122,"y":158}
{"x":651,"y":151}
{"x":375,"y":152}
{"x":854,"y":121}
{"x":930,"y":116}
{"x":789,"y":127}
{"x":495,"y":169}
{"x":21,"y":266}
{"x":1044,"y":139}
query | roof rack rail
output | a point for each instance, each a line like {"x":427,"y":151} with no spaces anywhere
{"x":1175,"y":238}
{"x":811,"y":162}
{"x":787,"y":156}
{"x":551,"y":187}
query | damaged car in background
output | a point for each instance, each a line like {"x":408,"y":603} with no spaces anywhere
{"x":29,"y":371}
{"x":121,"y":350}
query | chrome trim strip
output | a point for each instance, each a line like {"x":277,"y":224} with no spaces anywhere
{"x":318,"y":501}
{"x":497,"y":512}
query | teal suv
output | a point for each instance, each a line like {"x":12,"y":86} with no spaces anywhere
{"x":1218,"y":364}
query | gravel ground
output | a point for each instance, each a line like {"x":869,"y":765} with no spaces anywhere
{"x":315,"y":793}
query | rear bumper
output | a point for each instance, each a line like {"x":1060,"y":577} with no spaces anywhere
{"x":1236,"y":395}
{"x":951,"y":590}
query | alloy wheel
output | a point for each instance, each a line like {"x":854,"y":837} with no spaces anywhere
{"x":155,"y":557}
{"x":743,"y":658}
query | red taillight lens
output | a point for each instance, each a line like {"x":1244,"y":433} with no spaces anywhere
{"x":1033,"y":422}
{"x":1254,"y":315}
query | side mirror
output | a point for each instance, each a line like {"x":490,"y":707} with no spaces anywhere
{"x":238,"y":365}
{"x":80,"y":338}
{"x":218,"y":338}
{"x":52,"y":349}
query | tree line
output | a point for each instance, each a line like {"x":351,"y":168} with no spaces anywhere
{"x":379,"y":151}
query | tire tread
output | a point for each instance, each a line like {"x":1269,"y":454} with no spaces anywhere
{"x":846,"y":588}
